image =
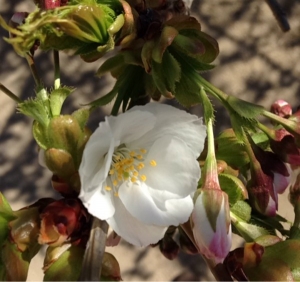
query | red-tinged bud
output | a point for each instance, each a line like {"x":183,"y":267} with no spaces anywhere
{"x":50,"y":4}
{"x":61,"y":222}
{"x":269,"y":177}
{"x":281,"y":108}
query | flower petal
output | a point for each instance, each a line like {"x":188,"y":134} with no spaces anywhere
{"x":176,"y":171}
{"x":130,"y":126}
{"x":131,"y":229}
{"x":138,"y":201}
{"x":171,"y":121}
{"x":99,"y":203}
{"x":213,"y":244}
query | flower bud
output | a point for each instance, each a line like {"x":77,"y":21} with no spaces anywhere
{"x":281,"y":108}
{"x":110,"y":268}
{"x":211,"y":224}
{"x":60,"y":221}
{"x":63,"y":263}
{"x":276,"y":262}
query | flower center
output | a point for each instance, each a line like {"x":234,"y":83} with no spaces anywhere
{"x":126,"y":166}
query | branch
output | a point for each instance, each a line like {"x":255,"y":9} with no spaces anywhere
{"x":92,"y":260}
{"x":279,"y":15}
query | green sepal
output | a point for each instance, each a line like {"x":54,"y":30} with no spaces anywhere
{"x":82,"y":115}
{"x":40,"y":135}
{"x":243,"y":108}
{"x":15,"y":263}
{"x":36,"y":108}
{"x":207,"y":106}
{"x":233,"y":187}
{"x":65,"y":267}
{"x":57,"y":98}
{"x":210,"y":44}
{"x":191,"y":46}
{"x":167,"y":36}
{"x":6,"y":215}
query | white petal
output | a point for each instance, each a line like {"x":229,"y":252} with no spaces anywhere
{"x":132,"y":230}
{"x":175,"y":122}
{"x":97,"y":157}
{"x":214,"y":245}
{"x":176,"y":171}
{"x":138,"y":201}
{"x":131,"y":125}
{"x":99,"y":204}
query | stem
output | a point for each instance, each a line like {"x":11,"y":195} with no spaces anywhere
{"x":34,"y":72}
{"x":10,"y":94}
{"x":212,"y":89}
{"x":56,"y":69}
{"x":279,"y":15}
{"x":287,"y":124}
{"x":93,"y":256}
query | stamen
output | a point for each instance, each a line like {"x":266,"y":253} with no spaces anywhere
{"x":115,"y":182}
{"x":107,"y":188}
{"x":143,"y":177}
{"x":139,"y":157}
{"x":153,"y":163}
{"x":143,"y":151}
{"x":133,"y":179}
{"x":116,"y":194}
{"x":112,"y":171}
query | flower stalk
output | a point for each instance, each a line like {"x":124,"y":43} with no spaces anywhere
{"x":56,"y":69}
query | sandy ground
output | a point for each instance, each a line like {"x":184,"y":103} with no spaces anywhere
{"x":257,"y":63}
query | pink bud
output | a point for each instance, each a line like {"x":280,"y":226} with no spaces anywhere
{"x":211,"y":224}
{"x":281,"y":108}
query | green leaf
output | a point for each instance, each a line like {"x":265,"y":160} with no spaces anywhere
{"x":230,"y":150}
{"x":242,"y":210}
{"x":233,"y":187}
{"x":249,"y":231}
{"x":243,"y":108}
{"x":111,"y":64}
{"x":107,"y":98}
{"x":57,"y":98}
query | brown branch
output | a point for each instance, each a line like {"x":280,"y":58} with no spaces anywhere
{"x":92,"y":260}
{"x":279,"y":15}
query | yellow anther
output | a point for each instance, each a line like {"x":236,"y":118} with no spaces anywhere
{"x":135,"y":173}
{"x":132,"y":153}
{"x":143,"y":151}
{"x":115,"y":182}
{"x":107,"y":188}
{"x":143,"y":177}
{"x":139,"y":157}
{"x":112,"y":171}
{"x":153,"y":163}
{"x":133,"y":179}
{"x":131,"y":167}
{"x":117,"y":157}
{"x":140,"y":166}
{"x":116,"y":194}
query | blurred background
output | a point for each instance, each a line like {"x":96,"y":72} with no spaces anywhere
{"x":257,"y":62}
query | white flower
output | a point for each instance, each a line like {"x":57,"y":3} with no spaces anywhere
{"x":139,"y":170}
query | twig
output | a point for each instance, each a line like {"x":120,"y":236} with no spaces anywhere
{"x":279,"y":15}
{"x":10,"y":94}
{"x":92,"y":260}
